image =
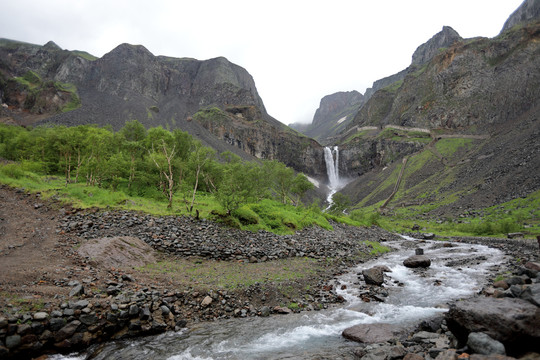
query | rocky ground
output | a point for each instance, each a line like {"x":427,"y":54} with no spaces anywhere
{"x":63,"y":287}
{"x":60,"y":292}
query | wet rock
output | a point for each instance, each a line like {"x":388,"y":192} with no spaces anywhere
{"x":428,"y":236}
{"x":372,"y":333}
{"x":424,"y":336}
{"x":385,"y":352}
{"x":265,"y":311}
{"x":501,"y":284}
{"x":67,"y":331}
{"x":373,"y":276}
{"x":514,"y":322}
{"x":533,"y":266}
{"x":417,"y":261}
{"x":282,"y":310}
{"x":482,"y":343}
{"x":532,"y":294}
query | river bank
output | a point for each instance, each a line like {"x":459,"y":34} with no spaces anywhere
{"x":56,"y":298}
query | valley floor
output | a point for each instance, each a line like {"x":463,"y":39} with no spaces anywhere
{"x":41,"y":270}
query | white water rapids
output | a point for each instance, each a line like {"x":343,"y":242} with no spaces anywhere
{"x":456,"y":272}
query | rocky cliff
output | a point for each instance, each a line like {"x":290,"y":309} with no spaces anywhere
{"x":337,"y":111}
{"x":45,"y":84}
{"x":528,"y":10}
{"x":467,"y":120}
{"x":334,"y":113}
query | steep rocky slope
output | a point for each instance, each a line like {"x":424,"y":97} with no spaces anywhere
{"x":467,"y":120}
{"x":334,"y":113}
{"x":337,"y":111}
{"x":73,"y":88}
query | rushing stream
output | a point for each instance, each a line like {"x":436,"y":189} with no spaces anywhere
{"x":413,"y":295}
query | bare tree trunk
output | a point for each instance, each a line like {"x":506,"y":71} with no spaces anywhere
{"x":195,"y":188}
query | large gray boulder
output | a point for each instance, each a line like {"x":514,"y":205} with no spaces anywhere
{"x":373,"y":333}
{"x":417,"y":261}
{"x":482,"y":343}
{"x":373,"y":276}
{"x":513,"y":322}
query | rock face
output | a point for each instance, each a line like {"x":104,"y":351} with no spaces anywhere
{"x":240,"y":127}
{"x":479,"y":87}
{"x":443,"y":39}
{"x":334,"y":113}
{"x":528,"y":10}
{"x":513,"y":322}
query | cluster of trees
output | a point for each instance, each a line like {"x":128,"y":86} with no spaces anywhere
{"x":151,"y":163}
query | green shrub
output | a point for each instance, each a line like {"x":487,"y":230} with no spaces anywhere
{"x":13,"y":171}
{"x":246,"y":216}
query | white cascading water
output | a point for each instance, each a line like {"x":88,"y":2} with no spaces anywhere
{"x":332,"y":166}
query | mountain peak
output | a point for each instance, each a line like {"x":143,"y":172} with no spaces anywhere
{"x":51,"y":45}
{"x":444,"y":38}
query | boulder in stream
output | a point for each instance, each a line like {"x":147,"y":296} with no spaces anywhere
{"x":373,"y":333}
{"x":373,"y":276}
{"x":513,"y":322}
{"x":417,"y":261}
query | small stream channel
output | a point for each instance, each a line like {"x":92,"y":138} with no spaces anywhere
{"x":456,"y":272}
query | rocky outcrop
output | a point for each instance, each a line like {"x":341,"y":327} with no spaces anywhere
{"x":527,"y":11}
{"x":513,"y":322}
{"x":440,"y":41}
{"x":242,"y":127}
{"x":334,"y":113}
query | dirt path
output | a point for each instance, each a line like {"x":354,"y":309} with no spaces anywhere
{"x":32,"y":254}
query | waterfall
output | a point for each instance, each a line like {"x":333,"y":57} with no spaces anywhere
{"x":332,"y":166}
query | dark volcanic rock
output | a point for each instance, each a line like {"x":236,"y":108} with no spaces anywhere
{"x":417,"y":261}
{"x":373,"y":276}
{"x":373,"y":333}
{"x":514,"y":322}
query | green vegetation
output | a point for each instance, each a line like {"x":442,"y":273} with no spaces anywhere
{"x":84,"y":55}
{"x":394,"y":86}
{"x":35,"y":88}
{"x":447,"y":147}
{"x":377,"y":248}
{"x":212,"y":114}
{"x":155,"y":171}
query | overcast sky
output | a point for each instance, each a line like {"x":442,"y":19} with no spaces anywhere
{"x":297,"y":51}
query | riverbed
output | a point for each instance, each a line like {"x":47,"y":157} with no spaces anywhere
{"x":458,"y":270}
